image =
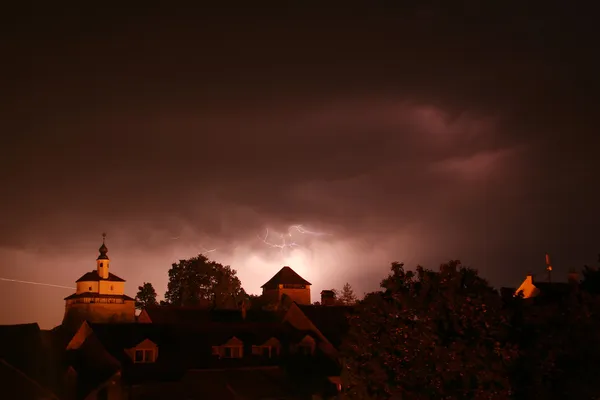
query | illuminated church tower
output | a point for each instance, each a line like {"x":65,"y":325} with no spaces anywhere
{"x":99,"y":297}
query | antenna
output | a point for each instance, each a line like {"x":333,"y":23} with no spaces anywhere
{"x":549,"y":268}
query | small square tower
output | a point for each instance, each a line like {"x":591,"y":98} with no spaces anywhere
{"x":287,"y":282}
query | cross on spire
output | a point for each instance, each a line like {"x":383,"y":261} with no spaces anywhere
{"x":103,"y":237}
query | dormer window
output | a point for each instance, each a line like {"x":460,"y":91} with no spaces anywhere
{"x":233,"y":348}
{"x":144,"y":356}
{"x":307,"y":346}
{"x":144,"y":352}
{"x":268,"y":349}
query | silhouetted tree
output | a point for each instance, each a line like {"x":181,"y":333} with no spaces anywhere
{"x":198,"y":280}
{"x":347,"y":296}
{"x":429,"y":335}
{"x":146,"y":296}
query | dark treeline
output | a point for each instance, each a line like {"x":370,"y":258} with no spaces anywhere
{"x":448,"y":334}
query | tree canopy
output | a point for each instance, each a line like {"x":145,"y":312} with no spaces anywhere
{"x":146,"y":296}
{"x":429,"y":334}
{"x":198,"y":280}
{"x":346,"y":296}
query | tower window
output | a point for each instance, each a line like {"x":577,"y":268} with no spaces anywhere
{"x":101,"y":265}
{"x":111,"y":287}
{"x":90,"y":288}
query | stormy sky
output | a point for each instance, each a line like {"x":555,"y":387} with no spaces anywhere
{"x":414,"y":134}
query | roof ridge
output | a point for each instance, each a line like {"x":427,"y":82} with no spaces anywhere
{"x":286,"y":275}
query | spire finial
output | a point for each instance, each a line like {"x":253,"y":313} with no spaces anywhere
{"x":103,"y":249}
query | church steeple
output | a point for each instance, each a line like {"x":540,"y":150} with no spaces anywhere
{"x":103,"y":261}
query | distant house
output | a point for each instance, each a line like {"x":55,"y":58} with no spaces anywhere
{"x":139,"y":360}
{"x":329,"y":325}
{"x":530,"y":288}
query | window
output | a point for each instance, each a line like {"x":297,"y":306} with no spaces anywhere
{"x":293,"y":286}
{"x":228,"y":351}
{"x":90,"y":288}
{"x":111,"y":288}
{"x":101,"y":265}
{"x":305,"y":349}
{"x":265,"y":351}
{"x":233,"y":352}
{"x":144,"y":356}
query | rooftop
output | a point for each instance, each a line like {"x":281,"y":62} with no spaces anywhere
{"x":93,"y":276}
{"x":288,"y":276}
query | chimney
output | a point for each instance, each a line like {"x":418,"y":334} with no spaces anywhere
{"x":529,"y":278}
{"x":327,"y":298}
{"x":573,"y":276}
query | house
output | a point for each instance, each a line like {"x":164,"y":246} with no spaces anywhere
{"x":328,"y":324}
{"x":99,"y":296}
{"x":231,"y":360}
{"x":530,"y":288}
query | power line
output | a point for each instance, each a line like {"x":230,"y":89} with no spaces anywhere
{"x":36,"y":283}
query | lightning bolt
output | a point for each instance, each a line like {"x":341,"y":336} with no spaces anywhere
{"x":286,"y":239}
{"x":36,"y":283}
{"x":204,"y":249}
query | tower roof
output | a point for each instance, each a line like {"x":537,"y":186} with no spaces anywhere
{"x":103,"y":249}
{"x":286,"y":275}
{"x":94,"y":277}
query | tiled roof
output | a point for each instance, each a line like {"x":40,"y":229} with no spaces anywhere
{"x":188,"y":346}
{"x":93,"y":276}
{"x":16,"y":385}
{"x":286,"y":275}
{"x":97,"y":295}
{"x":331,"y":321}
{"x":24,"y":348}
{"x":261,"y":383}
{"x":193,"y":315}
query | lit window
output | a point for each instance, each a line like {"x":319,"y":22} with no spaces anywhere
{"x":264,"y":351}
{"x":144,"y":356}
{"x":229,"y":351}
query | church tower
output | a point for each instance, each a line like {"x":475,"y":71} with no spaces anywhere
{"x":99,"y":296}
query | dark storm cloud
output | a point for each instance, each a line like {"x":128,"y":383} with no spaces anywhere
{"x":416,"y":135}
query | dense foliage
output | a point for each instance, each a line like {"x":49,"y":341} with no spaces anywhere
{"x":198,"y":281}
{"x":146,"y":296}
{"x":447,"y":334}
{"x":430,"y":335}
